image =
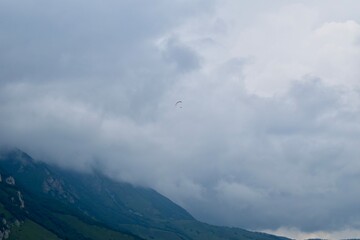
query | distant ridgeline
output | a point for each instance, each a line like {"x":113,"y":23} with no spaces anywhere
{"x":38,"y":201}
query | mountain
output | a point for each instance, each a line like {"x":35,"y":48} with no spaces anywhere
{"x":39,"y":201}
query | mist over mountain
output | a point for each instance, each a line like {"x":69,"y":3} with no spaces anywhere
{"x":39,"y":201}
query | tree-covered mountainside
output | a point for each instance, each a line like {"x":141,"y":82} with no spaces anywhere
{"x":38,"y":201}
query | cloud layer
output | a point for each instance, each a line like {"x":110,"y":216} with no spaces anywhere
{"x":268,"y":132}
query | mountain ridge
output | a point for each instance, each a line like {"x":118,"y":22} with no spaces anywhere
{"x":95,"y":201}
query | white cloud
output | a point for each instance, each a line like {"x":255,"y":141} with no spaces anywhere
{"x":280,"y":46}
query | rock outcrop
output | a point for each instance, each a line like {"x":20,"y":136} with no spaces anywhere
{"x":22,"y":203}
{"x":10,"y":180}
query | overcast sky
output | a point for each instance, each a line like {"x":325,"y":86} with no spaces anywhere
{"x":268,"y":132}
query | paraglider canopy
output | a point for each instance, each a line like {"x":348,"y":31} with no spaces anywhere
{"x":178,"y":104}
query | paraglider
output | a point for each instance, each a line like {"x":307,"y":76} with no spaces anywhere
{"x":178,"y":104}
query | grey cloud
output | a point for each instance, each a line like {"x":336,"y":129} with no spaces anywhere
{"x":101,"y":53}
{"x":314,"y":97}
{"x":182,"y":56}
{"x":85,"y":83}
{"x":294,"y":175}
{"x":67,"y":40}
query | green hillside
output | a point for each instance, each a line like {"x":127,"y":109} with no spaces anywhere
{"x":37,"y":221}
